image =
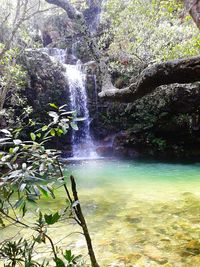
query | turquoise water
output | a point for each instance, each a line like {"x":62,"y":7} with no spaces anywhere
{"x":139,"y":213}
{"x":144,"y":179}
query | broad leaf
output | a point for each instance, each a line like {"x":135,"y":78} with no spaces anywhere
{"x":52,"y":218}
{"x":33,"y":136}
{"x":74,"y":126}
{"x":53,"y":105}
{"x":59,"y":262}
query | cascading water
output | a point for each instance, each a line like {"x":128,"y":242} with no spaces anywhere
{"x":82,"y":143}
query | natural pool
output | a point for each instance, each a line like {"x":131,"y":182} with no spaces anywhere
{"x":139,"y":213}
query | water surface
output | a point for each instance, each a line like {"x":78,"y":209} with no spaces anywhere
{"x":138,"y":213}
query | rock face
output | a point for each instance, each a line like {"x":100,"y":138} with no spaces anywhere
{"x":46,"y":80}
{"x":165,"y":124}
{"x":46,"y":83}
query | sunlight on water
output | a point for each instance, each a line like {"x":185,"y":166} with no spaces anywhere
{"x":139,"y":213}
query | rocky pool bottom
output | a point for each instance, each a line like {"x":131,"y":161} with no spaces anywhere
{"x":142,"y":214}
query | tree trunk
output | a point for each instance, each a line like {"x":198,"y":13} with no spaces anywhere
{"x":176,"y":71}
{"x":193,"y":8}
{"x":81,"y":218}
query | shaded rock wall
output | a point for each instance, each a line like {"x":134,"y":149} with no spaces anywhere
{"x":46,"y":80}
{"x":165,"y":124}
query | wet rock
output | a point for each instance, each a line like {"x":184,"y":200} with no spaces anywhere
{"x":104,"y":151}
{"x":155,"y":254}
{"x":133,"y":220}
{"x":167,"y":239}
{"x":192,"y":248}
{"x":130,"y":258}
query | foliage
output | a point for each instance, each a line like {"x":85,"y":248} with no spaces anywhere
{"x":28,"y":161}
{"x":12,"y":80}
{"x":30,"y":171}
{"x":144,"y":32}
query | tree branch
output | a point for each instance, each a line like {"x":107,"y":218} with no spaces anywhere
{"x":176,"y":71}
{"x":72,"y":12}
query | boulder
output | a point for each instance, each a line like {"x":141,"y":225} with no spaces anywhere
{"x":46,"y":80}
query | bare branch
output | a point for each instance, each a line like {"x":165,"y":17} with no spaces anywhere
{"x":72,"y":12}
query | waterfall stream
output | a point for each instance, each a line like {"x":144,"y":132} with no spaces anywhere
{"x":82,"y":143}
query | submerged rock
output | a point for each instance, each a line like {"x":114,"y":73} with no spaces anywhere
{"x":192,"y":248}
{"x":134,"y":220}
{"x":155,"y":254}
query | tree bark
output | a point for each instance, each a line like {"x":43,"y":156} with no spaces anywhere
{"x":176,"y":71}
{"x":81,"y":218}
{"x":72,"y":12}
{"x":193,"y":8}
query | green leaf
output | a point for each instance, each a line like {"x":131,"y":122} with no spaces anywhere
{"x":44,"y":190}
{"x":22,"y":187}
{"x":52,"y":218}
{"x":2,"y":223}
{"x":74,"y":126}
{"x":11,"y":150}
{"x":33,"y":136}
{"x":59,"y":132}
{"x":23,"y":209}
{"x":68,"y":255}
{"x":39,"y":135}
{"x":19,"y":202}
{"x":52,"y":132}
{"x":17,"y":141}
{"x":24,"y":166}
{"x":59,"y":262}
{"x":44,"y":128}
{"x":53,"y":105}
{"x":80,"y":119}
{"x":6,"y":132}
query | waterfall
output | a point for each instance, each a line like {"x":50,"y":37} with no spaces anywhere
{"x":82,"y":143}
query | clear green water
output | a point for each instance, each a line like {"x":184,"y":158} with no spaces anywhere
{"x":136,"y":210}
{"x":138,"y":213}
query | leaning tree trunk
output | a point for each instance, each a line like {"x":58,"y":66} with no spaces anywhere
{"x":193,"y":8}
{"x":175,"y":71}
